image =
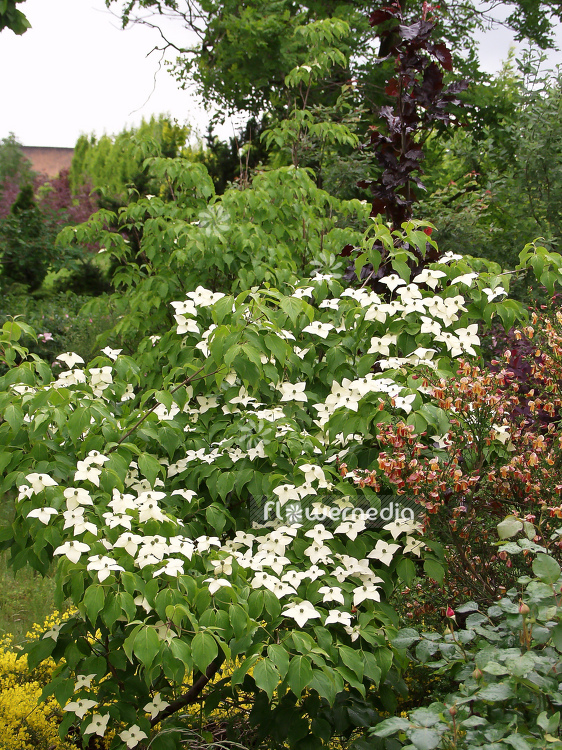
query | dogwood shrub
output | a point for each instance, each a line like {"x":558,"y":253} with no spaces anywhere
{"x":194,"y":500}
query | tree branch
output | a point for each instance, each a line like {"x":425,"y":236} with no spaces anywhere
{"x":188,"y":380}
{"x":193,"y":692}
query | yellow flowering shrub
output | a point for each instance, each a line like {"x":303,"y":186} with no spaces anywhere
{"x":25,"y":723}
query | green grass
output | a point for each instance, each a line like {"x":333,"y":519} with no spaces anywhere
{"x":25,"y":598}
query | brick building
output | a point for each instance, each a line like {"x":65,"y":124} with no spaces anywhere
{"x":48,"y":160}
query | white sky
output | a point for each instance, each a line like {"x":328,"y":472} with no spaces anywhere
{"x":75,"y":71}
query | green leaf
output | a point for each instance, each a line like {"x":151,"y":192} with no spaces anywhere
{"x":149,"y":467}
{"x":204,"y":649}
{"x":324,"y":685}
{"x":292,"y":307}
{"x":401,"y":268}
{"x":181,"y":651}
{"x":13,"y":416}
{"x":279,"y":656}
{"x":425,"y":738}
{"x":518,"y":742}
{"x":39,"y":651}
{"x":255,"y":604}
{"x":352,"y":659}
{"x":238,"y":619}
{"x":499,"y":691}
{"x":94,"y":599}
{"x":277,"y":347}
{"x":492,"y":667}
{"x":78,"y":422}
{"x":388,"y":727}
{"x":556,"y":635}
{"x":225,"y":483}
{"x":405,"y":638}
{"x":509,"y":527}
{"x":406,"y":570}
{"x":127,"y":604}
{"x":146,"y":645}
{"x":550,"y":279}
{"x":520,"y":666}
{"x":549,"y":723}
{"x":546,"y":568}
{"x":371,"y":669}
{"x":111,"y":610}
{"x":434,"y":570}
{"x":266,"y":677}
{"x":303,"y":642}
{"x":272,"y":604}
{"x":299,"y":675}
{"x":240,"y":672}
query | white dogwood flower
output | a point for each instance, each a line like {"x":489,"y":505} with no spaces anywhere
{"x":382,"y":344}
{"x":366,"y":592}
{"x":73,"y":550}
{"x":83,"y":681}
{"x":383,"y":552}
{"x":80,"y":707}
{"x":112,"y":353}
{"x":204,"y":297}
{"x":319,"y":329}
{"x":103,"y":565}
{"x":286,"y":492}
{"x":156,"y":706}
{"x":301,"y":613}
{"x":38,"y":482}
{"x":393,"y":281}
{"x":351,"y":528}
{"x":187,"y":307}
{"x":217,"y":583}
{"x":293,"y":391}
{"x":87,"y":472}
{"x":98,"y":725}
{"x":70,"y":359}
{"x":491,"y":294}
{"x":465,"y":278}
{"x":132,"y":736}
{"x":43,"y":514}
{"x":173,"y":567}
{"x":430,"y":277}
{"x":332,"y":594}
{"x":336,"y":616}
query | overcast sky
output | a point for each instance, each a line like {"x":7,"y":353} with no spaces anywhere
{"x":75,"y":71}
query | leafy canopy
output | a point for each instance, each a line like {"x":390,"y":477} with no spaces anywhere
{"x":238,"y":54}
{"x":149,"y":478}
{"x":12,"y":18}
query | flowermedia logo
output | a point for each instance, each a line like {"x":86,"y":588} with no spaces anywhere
{"x":307,"y":513}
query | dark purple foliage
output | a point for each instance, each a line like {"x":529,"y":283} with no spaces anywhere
{"x":523,"y":361}
{"x":58,"y":205}
{"x":422,"y":101}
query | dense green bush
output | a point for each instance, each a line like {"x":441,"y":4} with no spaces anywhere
{"x":59,"y":322}
{"x":505,"y":661}
{"x":496,"y":185}
{"x":245,"y":400}
{"x":25,"y":245}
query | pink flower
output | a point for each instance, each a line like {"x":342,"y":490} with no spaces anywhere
{"x":45,"y":336}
